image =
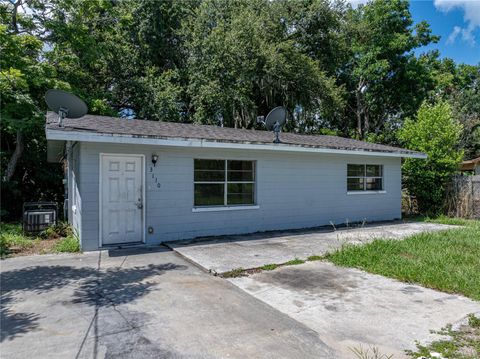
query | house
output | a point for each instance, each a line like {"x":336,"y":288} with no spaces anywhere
{"x":135,"y":181}
{"x":472,"y":166}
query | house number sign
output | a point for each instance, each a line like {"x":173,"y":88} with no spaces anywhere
{"x":154,"y":177}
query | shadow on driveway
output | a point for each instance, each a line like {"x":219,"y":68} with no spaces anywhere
{"x":93,"y":286}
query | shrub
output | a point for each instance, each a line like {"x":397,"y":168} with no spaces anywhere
{"x":61,"y":229}
{"x":436,"y":133}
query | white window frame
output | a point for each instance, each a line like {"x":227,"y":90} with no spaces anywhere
{"x":226,"y":182}
{"x":365,"y":190}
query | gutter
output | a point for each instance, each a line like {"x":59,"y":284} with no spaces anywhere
{"x":202,"y":143}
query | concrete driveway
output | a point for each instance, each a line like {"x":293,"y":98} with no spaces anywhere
{"x":349,"y":308}
{"x":222,"y":254}
{"x":134,"y":304}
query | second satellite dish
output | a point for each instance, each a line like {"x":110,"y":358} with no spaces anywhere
{"x":64,"y":103}
{"x":275,"y":120}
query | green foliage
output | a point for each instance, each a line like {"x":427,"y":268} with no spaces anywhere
{"x":61,"y":229}
{"x":295,"y":261}
{"x":242,"y":62}
{"x":68,"y":244}
{"x":462,"y":343}
{"x":61,"y":236}
{"x":436,"y":133}
{"x":314,"y":258}
{"x":11,"y":236}
{"x":269,"y":266}
{"x":234,"y":273}
{"x":445,"y":260}
{"x":4,"y":246}
{"x":442,"y":219}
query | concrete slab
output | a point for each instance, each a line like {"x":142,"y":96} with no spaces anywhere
{"x":138,"y":304}
{"x":222,"y":254}
{"x":350,"y":308}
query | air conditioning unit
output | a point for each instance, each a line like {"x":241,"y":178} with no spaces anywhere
{"x":38,"y":216}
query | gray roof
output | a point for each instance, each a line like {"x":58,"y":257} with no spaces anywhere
{"x":172,"y":130}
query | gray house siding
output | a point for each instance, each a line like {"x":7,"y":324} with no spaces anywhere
{"x":74,"y":193}
{"x":293,"y":190}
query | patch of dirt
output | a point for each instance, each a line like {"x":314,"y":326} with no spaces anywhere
{"x":42,"y":246}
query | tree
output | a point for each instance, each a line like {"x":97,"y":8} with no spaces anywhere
{"x":385,"y":81}
{"x":243,"y":61}
{"x":435,"y":132}
{"x":23,"y":82}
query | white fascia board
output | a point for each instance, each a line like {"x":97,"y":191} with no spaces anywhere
{"x":201,"y":143}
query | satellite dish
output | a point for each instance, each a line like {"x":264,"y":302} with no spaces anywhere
{"x":64,"y":103}
{"x":275,"y":120}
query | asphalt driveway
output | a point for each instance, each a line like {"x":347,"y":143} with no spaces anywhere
{"x":224,"y":253}
{"x":138,"y":304}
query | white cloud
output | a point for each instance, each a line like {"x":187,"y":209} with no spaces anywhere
{"x":471,"y":9}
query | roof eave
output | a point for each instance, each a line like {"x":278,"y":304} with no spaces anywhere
{"x":68,"y":135}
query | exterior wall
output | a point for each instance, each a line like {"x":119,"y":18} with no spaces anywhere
{"x":294,"y":190}
{"x":74,"y":197}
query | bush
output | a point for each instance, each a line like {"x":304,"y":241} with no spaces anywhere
{"x":61,"y":229}
{"x":436,"y":133}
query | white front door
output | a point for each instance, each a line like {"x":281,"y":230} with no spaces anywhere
{"x":121,"y":199}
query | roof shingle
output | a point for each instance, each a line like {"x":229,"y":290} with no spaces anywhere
{"x":172,"y":130}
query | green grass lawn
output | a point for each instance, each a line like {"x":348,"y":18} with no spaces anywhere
{"x":448,"y":260}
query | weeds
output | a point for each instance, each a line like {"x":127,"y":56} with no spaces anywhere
{"x":463,"y":343}
{"x":58,"y":238}
{"x":269,"y":266}
{"x":294,"y":262}
{"x":234,"y":273}
{"x":68,"y":244}
{"x":369,"y":353}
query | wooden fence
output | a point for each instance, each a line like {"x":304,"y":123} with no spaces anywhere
{"x":463,"y":197}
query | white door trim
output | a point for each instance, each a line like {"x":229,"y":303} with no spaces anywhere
{"x":100,"y":192}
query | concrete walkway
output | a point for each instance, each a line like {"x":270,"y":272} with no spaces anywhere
{"x":138,"y":304}
{"x":222,"y":254}
{"x":349,"y":308}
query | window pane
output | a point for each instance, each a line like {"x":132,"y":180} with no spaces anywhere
{"x":209,"y":194}
{"x":356,"y":170}
{"x":374,"y":171}
{"x":240,"y":193}
{"x":374,"y":184}
{"x":218,"y":165}
{"x":209,"y":170}
{"x":240,"y":165}
{"x":240,"y":171}
{"x":355,"y":184}
{"x":240,"y":176}
{"x":209,"y":176}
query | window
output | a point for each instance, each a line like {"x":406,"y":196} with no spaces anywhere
{"x":364,"y":177}
{"x":224,"y":182}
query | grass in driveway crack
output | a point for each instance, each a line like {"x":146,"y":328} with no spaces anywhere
{"x":241,"y":272}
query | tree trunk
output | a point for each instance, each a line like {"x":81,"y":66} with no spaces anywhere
{"x":12,"y":164}
{"x":358,"y":112}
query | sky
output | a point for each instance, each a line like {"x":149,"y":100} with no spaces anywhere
{"x":456,"y":21}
